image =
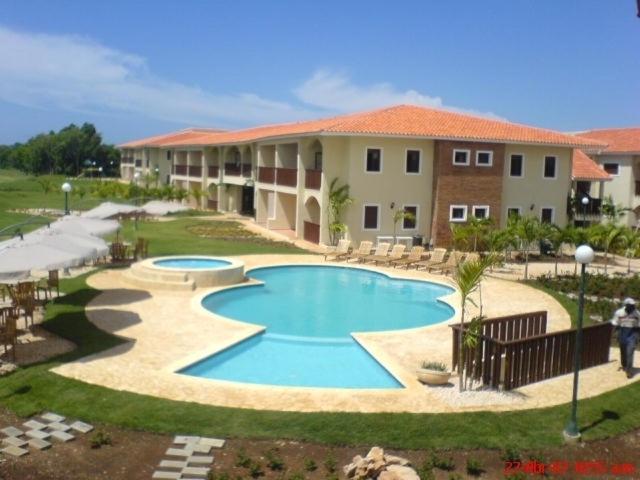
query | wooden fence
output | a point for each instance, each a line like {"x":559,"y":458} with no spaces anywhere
{"x":516,"y":350}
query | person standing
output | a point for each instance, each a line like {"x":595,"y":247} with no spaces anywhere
{"x":627,"y":323}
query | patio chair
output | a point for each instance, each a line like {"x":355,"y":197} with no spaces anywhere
{"x":341,"y":250}
{"x":415,"y":255}
{"x":46,"y":285}
{"x":363,"y":250}
{"x":141,"y":249}
{"x":437,"y":257}
{"x":23,"y":296}
{"x":9,"y":335}
{"x":450,"y":264}
{"x":382,"y":252}
{"x":396,"y":254}
{"x":469,"y":257}
{"x":118,"y":252}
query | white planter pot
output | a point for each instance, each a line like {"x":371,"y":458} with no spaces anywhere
{"x":433,"y":377}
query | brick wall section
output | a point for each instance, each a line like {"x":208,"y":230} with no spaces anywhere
{"x":464,"y":185}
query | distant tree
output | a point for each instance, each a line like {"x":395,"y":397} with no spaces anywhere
{"x":528,"y":230}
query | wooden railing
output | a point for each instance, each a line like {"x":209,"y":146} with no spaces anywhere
{"x":138,"y":163}
{"x":246,"y":169}
{"x":179,"y":169}
{"x":313,"y":179}
{"x":195,"y":171}
{"x":232,"y":169}
{"x":287,"y":177}
{"x":267,"y":174}
{"x":213,"y":171}
{"x":212,"y":204}
{"x":126,"y":160}
{"x":515,"y":350}
{"x":311,"y":232}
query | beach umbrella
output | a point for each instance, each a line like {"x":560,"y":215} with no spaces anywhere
{"x":85,"y":226}
{"x":109,"y":210}
{"x":160,"y":208}
{"x":85,"y":246}
{"x":17,"y":260}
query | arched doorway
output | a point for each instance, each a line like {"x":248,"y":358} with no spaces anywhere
{"x":312,"y":220}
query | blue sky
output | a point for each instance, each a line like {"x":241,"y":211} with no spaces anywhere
{"x":136,"y":68}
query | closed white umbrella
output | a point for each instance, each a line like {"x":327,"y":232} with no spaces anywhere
{"x":17,"y":260}
{"x":85,"y":246}
{"x":108,"y":210}
{"x":85,"y":226}
{"x":160,"y":208}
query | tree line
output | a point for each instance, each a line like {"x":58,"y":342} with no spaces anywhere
{"x":70,"y":151}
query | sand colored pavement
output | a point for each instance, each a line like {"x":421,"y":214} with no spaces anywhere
{"x":165,"y":331}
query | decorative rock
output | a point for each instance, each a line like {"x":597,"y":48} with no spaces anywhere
{"x":6,"y":368}
{"x":173,"y":464}
{"x":393,"y":460}
{"x":167,"y":475}
{"x":15,"y":441}
{"x":12,"y":432}
{"x":62,"y":436}
{"x":377,"y":465}
{"x":39,"y":444}
{"x":61,"y":427}
{"x":38,"y":434}
{"x":81,"y":427}
{"x":14,"y":451}
{"x":212,"y":442}
{"x":34,"y":425}
{"x":402,"y":473}
{"x":52,"y":417}
{"x":200,"y":459}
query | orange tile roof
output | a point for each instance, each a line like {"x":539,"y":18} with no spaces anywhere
{"x":620,"y":140}
{"x":400,"y":120}
{"x":160,"y":140}
{"x":583,"y":168}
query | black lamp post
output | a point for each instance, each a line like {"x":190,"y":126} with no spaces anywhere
{"x":66,"y":188}
{"x":585,"y":202}
{"x":584,"y":256}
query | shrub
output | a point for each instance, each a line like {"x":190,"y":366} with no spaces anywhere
{"x":330,"y":463}
{"x":511,"y":454}
{"x":438,"y":366}
{"x":425,"y":471}
{"x":441,"y":463}
{"x":255,"y":469}
{"x":100,"y":438}
{"x":242,"y":460}
{"x":474,"y":467}
{"x":310,"y":465}
{"x":274,"y":461}
{"x":297,"y":476}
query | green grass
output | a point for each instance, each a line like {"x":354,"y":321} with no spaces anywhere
{"x":31,"y":390}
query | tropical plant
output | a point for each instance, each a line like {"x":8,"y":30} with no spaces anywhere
{"x":437,"y":366}
{"x":46,"y":184}
{"x":467,"y":277}
{"x":558,"y":237}
{"x":527,"y":230}
{"x":398,"y":216}
{"x":607,"y":236}
{"x":630,"y":239}
{"x":613,"y":211}
{"x":180,"y":194}
{"x":477,"y":230}
{"x":197,"y":194}
{"x":339,"y":200}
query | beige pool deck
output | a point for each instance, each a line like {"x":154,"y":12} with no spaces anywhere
{"x":166,"y":331}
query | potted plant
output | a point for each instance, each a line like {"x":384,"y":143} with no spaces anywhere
{"x":433,"y":373}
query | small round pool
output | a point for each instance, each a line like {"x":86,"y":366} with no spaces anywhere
{"x":191,"y":263}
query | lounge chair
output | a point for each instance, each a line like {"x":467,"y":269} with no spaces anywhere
{"x":363,"y":250}
{"x":415,"y":255}
{"x":449,"y":265}
{"x":396,"y":254}
{"x":381,"y":253}
{"x":437,"y":257}
{"x":469,"y":257}
{"x":341,"y":250}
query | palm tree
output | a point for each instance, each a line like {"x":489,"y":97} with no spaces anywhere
{"x":339,"y":200}
{"x":528,"y":230}
{"x":180,"y":194}
{"x":477,"y":229}
{"x":459,"y":236}
{"x":607,"y":236}
{"x":558,"y":236}
{"x":630,"y":239}
{"x":401,"y":215}
{"x":467,"y":278}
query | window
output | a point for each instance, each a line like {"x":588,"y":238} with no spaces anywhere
{"x":516,"y":165}
{"x":513,"y":212}
{"x":480,"y":211}
{"x":458,"y":213}
{"x":317,"y":161}
{"x":546,"y":215}
{"x":410,"y":223}
{"x":168,"y":154}
{"x":371,"y":217}
{"x":611,"y":168}
{"x":461,"y":157}
{"x":549,"y":167}
{"x":374,"y":160}
{"x":412,"y":162}
{"x":484,"y":158}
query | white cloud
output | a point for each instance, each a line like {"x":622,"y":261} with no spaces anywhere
{"x":334,"y":91}
{"x":76,"y":73}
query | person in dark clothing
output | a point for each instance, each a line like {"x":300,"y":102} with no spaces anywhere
{"x":627,"y":323}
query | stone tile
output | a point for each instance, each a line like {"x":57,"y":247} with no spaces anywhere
{"x":200,"y":459}
{"x":173,"y":464}
{"x":197,"y":448}
{"x":212,"y":442}
{"x":166,"y":475}
{"x":39,"y":444}
{"x":81,"y":427}
{"x":35,"y":425}
{"x":184,"y":439}
{"x":178,"y":452}
{"x":196,"y":471}
{"x":62,"y":436}
{"x":52,"y":417}
{"x":38,"y":434}
{"x":61,"y":427}
{"x":15,"y":441}
{"x":12,"y":432}
{"x":14,"y":451}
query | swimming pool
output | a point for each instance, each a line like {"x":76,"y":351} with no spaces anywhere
{"x":186,"y":263}
{"x":310,"y":313}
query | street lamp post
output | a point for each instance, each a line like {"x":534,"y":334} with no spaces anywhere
{"x":66,"y":188}
{"x":584,"y":256}
{"x":136,"y":178}
{"x":157,"y":172}
{"x":585,"y":202}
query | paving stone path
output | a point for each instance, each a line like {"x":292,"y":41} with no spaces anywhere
{"x":189,"y":458}
{"x":39,"y":433}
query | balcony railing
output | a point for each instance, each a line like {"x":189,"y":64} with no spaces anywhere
{"x":232,"y":169}
{"x":287,"y":177}
{"x":246,"y":169}
{"x":126,"y":160}
{"x":138,"y":163}
{"x":213,"y":171}
{"x":313,"y":179}
{"x":266,"y":174}
{"x":195,"y":171}
{"x":180,"y":170}
{"x":593,"y":208}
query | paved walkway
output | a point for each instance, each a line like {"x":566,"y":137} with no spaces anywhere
{"x":169,"y":330}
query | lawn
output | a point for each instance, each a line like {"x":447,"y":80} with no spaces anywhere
{"x":31,"y":390}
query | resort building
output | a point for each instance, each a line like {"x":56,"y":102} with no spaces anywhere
{"x":584,"y":205}
{"x":443,"y":167}
{"x":621,"y":160}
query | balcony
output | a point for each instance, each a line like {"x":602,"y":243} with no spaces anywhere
{"x":591,"y":209}
{"x":242,"y":170}
{"x":126,"y":160}
{"x":195,"y":171}
{"x":287,"y":177}
{"x":266,"y":174}
{"x":313,"y":179}
{"x":180,"y":170}
{"x":138,"y":163}
{"x":213,"y":171}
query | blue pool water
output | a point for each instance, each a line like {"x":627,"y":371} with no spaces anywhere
{"x":309,"y":313}
{"x":191,"y":263}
